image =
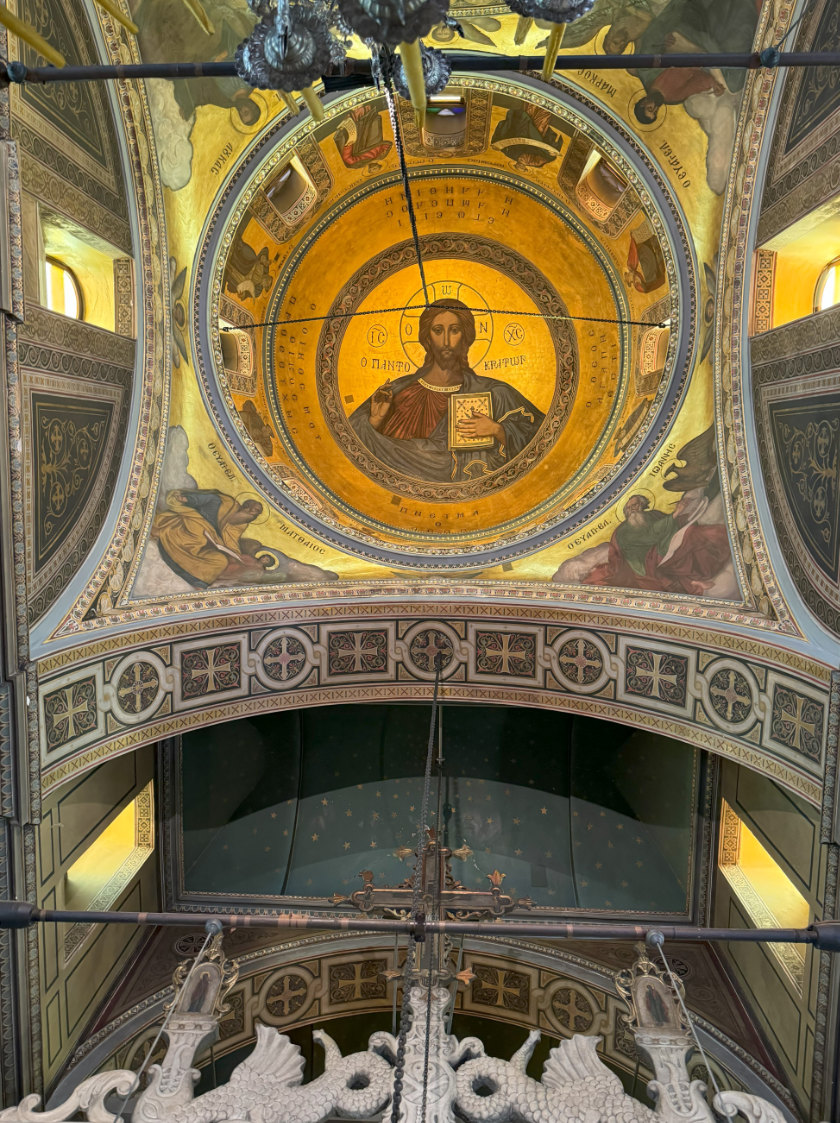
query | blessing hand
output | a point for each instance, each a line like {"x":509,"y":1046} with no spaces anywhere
{"x":480,"y":425}
{"x":380,"y":404}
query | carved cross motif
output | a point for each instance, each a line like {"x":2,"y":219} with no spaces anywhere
{"x":283,"y":659}
{"x":579,"y":660}
{"x":729,"y":696}
{"x":797,"y":724}
{"x":655,"y":675}
{"x":72,"y":711}
{"x":135,"y":692}
{"x":217,"y":667}
{"x":500,"y":986}
{"x":506,"y":657}
{"x":359,"y":652}
{"x":357,"y":982}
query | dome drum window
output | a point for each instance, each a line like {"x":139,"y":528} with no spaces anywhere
{"x":62,"y":292}
{"x":446,"y":122}
{"x":827,"y":290}
{"x":83,"y":276}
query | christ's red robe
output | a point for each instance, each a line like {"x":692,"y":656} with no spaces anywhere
{"x":415,"y":412}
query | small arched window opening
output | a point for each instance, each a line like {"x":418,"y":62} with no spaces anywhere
{"x":445,"y":122}
{"x":600,"y":187}
{"x":291,"y":193}
{"x":63,"y":292}
{"x":827,"y":289}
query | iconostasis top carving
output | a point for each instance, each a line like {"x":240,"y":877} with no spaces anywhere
{"x":547,"y":418}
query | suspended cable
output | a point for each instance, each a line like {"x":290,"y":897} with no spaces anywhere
{"x":398,"y":142}
{"x":298,"y":802}
{"x":419,"y":307}
{"x":424,"y":806}
{"x":571,"y":831}
{"x":418,"y":869}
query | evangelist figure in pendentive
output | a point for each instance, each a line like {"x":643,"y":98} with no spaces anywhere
{"x":202,"y":536}
{"x":685,"y":550}
{"x":445,"y":423}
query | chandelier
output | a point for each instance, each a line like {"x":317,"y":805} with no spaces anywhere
{"x":296,"y":41}
{"x":423,"y":1074}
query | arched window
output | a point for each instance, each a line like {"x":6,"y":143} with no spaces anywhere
{"x":827,"y":290}
{"x":445,"y":123}
{"x":291,"y":193}
{"x":600,"y":187}
{"x":62,"y":291}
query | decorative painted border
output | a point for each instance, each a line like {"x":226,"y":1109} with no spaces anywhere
{"x":763,"y":283}
{"x":733,"y":408}
{"x":403,"y":602}
{"x":769,"y":719}
{"x":147,"y":424}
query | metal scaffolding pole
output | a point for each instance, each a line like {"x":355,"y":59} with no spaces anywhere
{"x":824,"y":935}
{"x":357,"y":72}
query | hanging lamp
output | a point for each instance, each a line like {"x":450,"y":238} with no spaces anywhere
{"x":556,"y":12}
{"x":287,"y":51}
{"x":436,"y":71}
{"x":399,"y":24}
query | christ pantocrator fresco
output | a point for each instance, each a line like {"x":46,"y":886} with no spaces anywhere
{"x":445,"y":423}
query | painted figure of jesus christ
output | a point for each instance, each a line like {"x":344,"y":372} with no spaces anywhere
{"x":405,"y":423}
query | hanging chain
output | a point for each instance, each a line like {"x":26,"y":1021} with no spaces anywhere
{"x":657,"y":940}
{"x":399,"y":1066}
{"x":398,"y":142}
{"x":428,"y":1042}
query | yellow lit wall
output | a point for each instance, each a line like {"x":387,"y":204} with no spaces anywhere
{"x":770,"y":871}
{"x":91,"y":259}
{"x":98,"y":864}
{"x":802,"y":251}
{"x":771,"y":883}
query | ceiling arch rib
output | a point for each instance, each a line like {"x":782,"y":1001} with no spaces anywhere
{"x":729,"y":703}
